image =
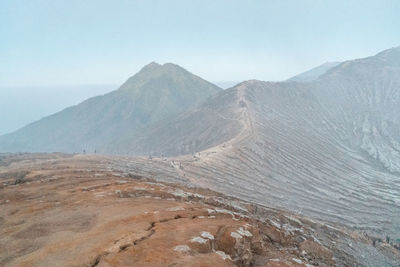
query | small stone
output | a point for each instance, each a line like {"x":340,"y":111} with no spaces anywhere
{"x":235,"y":235}
{"x":198,"y":239}
{"x":182,"y":248}
{"x":223,"y":255}
{"x":297,"y":260}
{"x":207,"y":235}
{"x":242,"y":232}
{"x":210,"y":211}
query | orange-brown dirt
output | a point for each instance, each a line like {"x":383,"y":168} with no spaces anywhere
{"x":62,"y":211}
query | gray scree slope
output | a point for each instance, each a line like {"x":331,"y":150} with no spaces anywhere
{"x":328,"y":148}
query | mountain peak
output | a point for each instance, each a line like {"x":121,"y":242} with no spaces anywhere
{"x":164,"y":74}
{"x":151,"y":66}
{"x":155,"y":71}
{"x":248,"y":83}
{"x":154,"y":64}
{"x":155,"y":93}
{"x":155,"y":68}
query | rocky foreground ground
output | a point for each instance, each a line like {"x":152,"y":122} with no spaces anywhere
{"x":63,"y":210}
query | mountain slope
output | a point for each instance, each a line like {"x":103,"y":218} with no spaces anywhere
{"x":201,"y":127}
{"x":314,"y":73}
{"x":362,"y":101}
{"x":285,"y":159}
{"x":327,"y":148}
{"x":155,"y":93}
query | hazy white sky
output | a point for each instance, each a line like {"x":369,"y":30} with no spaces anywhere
{"x":22,"y":105}
{"x":72,"y":42}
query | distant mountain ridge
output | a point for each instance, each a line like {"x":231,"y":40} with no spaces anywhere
{"x":328,"y":147}
{"x":314,"y":73}
{"x":155,"y":93}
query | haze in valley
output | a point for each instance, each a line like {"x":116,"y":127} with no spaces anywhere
{"x":201,"y":133}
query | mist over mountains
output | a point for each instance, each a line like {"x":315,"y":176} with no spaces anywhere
{"x":165,"y":109}
{"x":25,"y":104}
{"x":155,"y":93}
{"x":325,"y":143}
{"x":200,"y":133}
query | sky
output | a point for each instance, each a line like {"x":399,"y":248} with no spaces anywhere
{"x":56,"y":53}
{"x":20,"y":106}
{"x":73,"y":42}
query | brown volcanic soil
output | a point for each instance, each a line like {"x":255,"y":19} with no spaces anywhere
{"x":68,"y":211}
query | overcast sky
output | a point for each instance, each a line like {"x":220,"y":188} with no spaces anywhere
{"x":104,"y":42}
{"x":55,"y":53}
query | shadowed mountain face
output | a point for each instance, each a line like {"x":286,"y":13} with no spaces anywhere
{"x":156,"y":93}
{"x":204,"y":126}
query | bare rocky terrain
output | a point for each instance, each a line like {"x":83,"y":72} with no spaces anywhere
{"x":325,"y":149}
{"x":84,"y":210}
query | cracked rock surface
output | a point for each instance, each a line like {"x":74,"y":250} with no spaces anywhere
{"x":72,"y":211}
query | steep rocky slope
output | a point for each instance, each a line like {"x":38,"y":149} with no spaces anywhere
{"x":281,"y":160}
{"x":360,"y":100}
{"x":328,"y":148}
